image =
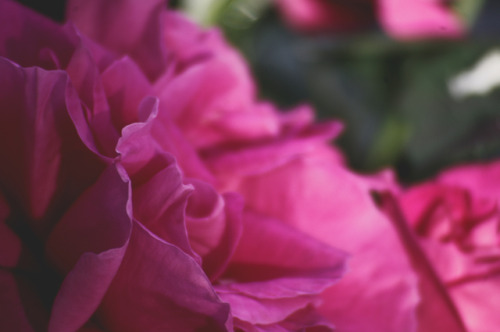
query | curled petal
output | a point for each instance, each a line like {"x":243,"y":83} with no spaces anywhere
{"x":160,"y":288}
{"x":159,"y":196}
{"x":125,"y":87}
{"x":214,"y":225}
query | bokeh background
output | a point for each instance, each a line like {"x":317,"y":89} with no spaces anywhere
{"x":415,"y":105}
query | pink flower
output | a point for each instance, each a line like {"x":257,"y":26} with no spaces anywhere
{"x":401,"y":19}
{"x":303,"y":183}
{"x":110,"y":216}
{"x":456,"y":220}
{"x":324,"y":15}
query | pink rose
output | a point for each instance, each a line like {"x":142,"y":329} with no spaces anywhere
{"x":324,"y":15}
{"x":304,"y":183}
{"x":455,"y":218}
{"x":401,"y":19}
{"x":110,"y":217}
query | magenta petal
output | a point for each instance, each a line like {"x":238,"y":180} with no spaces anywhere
{"x":215,"y":262}
{"x":262,"y":311}
{"x":482,"y":180}
{"x":168,"y":138}
{"x":85,"y":77}
{"x":160,"y":288}
{"x":265,"y":283}
{"x":160,"y":203}
{"x":436,"y":311}
{"x":337,"y":208}
{"x":309,"y":319}
{"x":125,"y":26}
{"x":89,"y":242}
{"x":208,"y":113}
{"x":45,"y":154}
{"x":214,"y":225}
{"x":159,"y":195}
{"x":30,"y":39}
{"x":306,"y":319}
{"x":125,"y":87}
{"x":230,"y":164}
{"x":477,"y":304}
{"x":263,"y":254}
{"x":83,"y":289}
{"x":456,"y":219}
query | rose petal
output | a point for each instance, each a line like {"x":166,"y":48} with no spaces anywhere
{"x":45,"y":155}
{"x":160,"y":288}
{"x":229,"y":164}
{"x":483,"y":180}
{"x":214,"y":226}
{"x":89,"y":242}
{"x":160,"y":202}
{"x":336,"y":208}
{"x":125,"y":26}
{"x":30,"y":39}
{"x":125,"y":87}
{"x":164,"y":135}
{"x":85,"y":77}
{"x":476,"y":303}
{"x":160,"y":197}
{"x":257,"y":311}
{"x":436,"y":310}
{"x":211,"y":113}
{"x":264,"y":283}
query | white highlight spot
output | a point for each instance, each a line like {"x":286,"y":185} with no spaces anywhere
{"x":480,"y":80}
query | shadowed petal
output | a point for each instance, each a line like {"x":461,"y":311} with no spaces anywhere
{"x":45,"y":154}
{"x":89,"y":244}
{"x":30,"y":39}
{"x":125,"y":26}
{"x":160,"y":288}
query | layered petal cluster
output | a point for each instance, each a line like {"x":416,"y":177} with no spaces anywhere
{"x":401,"y":19}
{"x":455,"y":218}
{"x":144,"y":188}
{"x":113,"y":214}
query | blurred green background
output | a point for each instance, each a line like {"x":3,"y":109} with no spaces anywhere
{"x":397,"y":99}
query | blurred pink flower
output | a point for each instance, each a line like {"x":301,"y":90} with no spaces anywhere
{"x":302,"y":181}
{"x":110,"y":218}
{"x":401,"y":19}
{"x":456,"y":220}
